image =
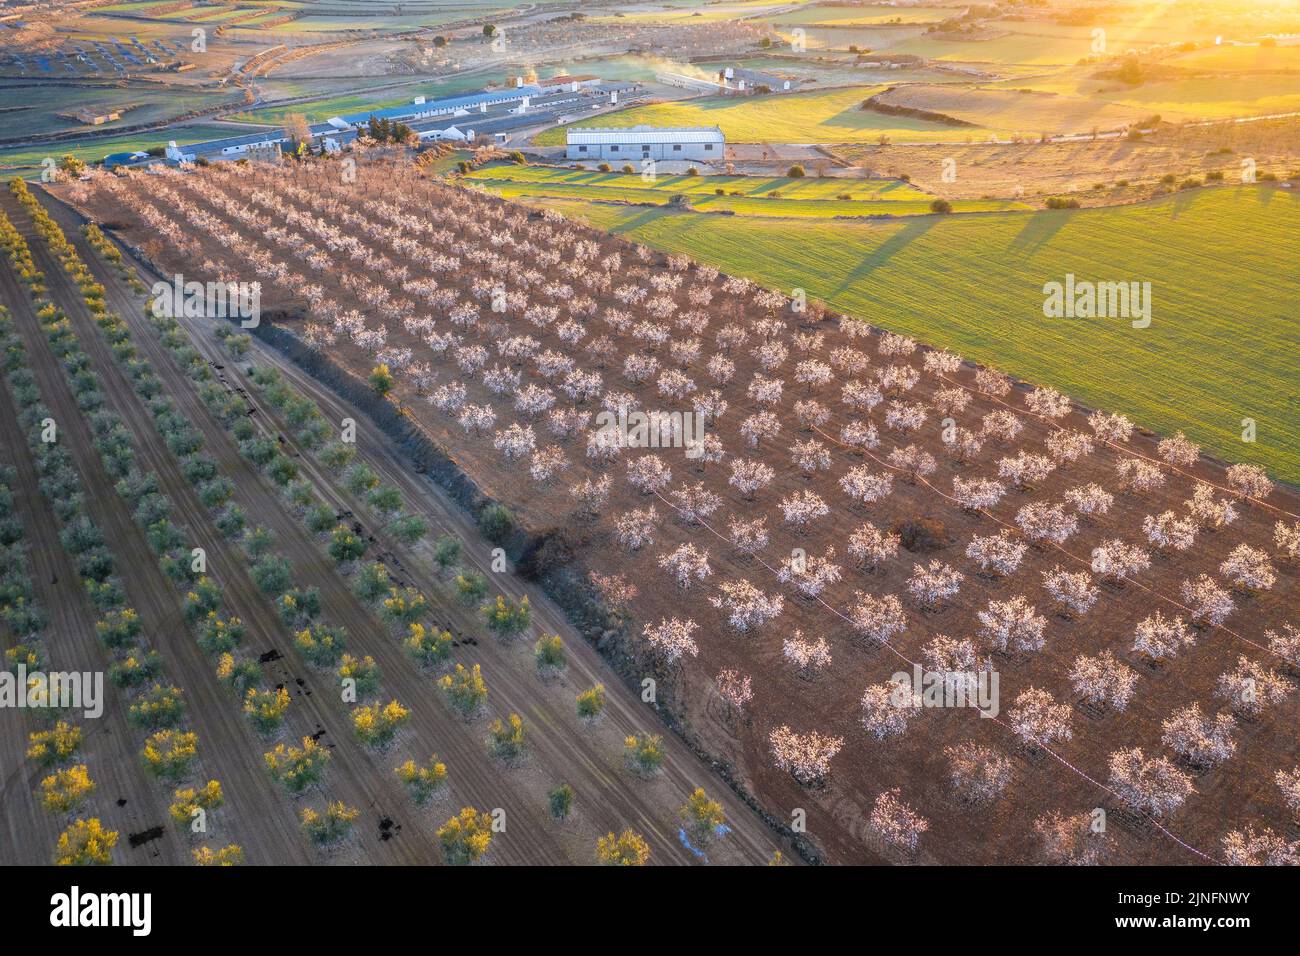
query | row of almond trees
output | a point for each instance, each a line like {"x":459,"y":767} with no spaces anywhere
{"x":661,"y":317}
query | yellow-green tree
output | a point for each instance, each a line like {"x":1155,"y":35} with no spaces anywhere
{"x":466,"y":836}
{"x":85,"y":843}
{"x":465,"y":689}
{"x":423,"y":781}
{"x":629,"y":848}
{"x":230,"y":855}
{"x":701,"y":817}
{"x":65,"y":790}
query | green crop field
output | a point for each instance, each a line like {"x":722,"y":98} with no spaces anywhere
{"x":1220,"y":348}
{"x":823,"y":116}
{"x":742,"y":195}
{"x":852,"y":16}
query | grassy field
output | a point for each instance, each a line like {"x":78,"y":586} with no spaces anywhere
{"x":823,"y":116}
{"x":1220,"y":347}
{"x":743,"y":195}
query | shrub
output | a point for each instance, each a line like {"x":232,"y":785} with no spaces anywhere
{"x":403,"y":606}
{"x":220,"y":636}
{"x":168,"y":754}
{"x":298,"y":604}
{"x":941,"y":206}
{"x":320,"y":519}
{"x":376,"y":725}
{"x":427,"y":645}
{"x":55,"y":745}
{"x":796,"y":172}
{"x":345,"y":545}
{"x":506,"y":737}
{"x":381,"y":380}
{"x":505,"y":618}
{"x":157,"y":708}
{"x":465,"y":690}
{"x":423,"y":781}
{"x":188,"y":803}
{"x":629,"y":848}
{"x":239,"y":676}
{"x":297,"y":768}
{"x":66,"y":790}
{"x":364,"y":673}
{"x":560,"y":800}
{"x":118,"y":628}
{"x":465,"y":837}
{"x":371,"y":582}
{"x":644,"y":752}
{"x":591,"y":702}
{"x":701,"y":817}
{"x":496,"y":522}
{"x":409,"y":529}
{"x":230,"y":855}
{"x":266,"y":709}
{"x":471,"y":586}
{"x":549,"y":654}
{"x":321,"y":644}
{"x":272,"y":575}
{"x":331,"y":826}
{"x":258,"y":541}
{"x":85,"y":843}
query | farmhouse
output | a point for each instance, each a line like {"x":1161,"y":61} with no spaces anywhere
{"x":646,"y":142}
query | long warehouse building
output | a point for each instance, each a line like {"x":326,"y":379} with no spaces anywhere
{"x":646,"y":142}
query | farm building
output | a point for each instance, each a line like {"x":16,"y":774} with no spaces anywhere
{"x":646,"y":142}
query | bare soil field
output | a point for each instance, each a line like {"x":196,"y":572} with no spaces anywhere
{"x":563,"y":748}
{"x":596,"y":311}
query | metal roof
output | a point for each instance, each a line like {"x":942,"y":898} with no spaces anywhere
{"x":597,"y":136}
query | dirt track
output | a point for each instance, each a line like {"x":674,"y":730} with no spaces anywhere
{"x":564,"y":750}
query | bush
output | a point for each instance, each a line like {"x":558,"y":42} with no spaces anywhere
{"x":381,"y":380}
{"x":427,"y":645}
{"x":371,"y":582}
{"x":272,"y":574}
{"x":409,"y":529}
{"x":320,"y":519}
{"x":322,"y":644}
{"x":48,"y":747}
{"x":85,"y":843}
{"x":331,"y":826}
{"x":187,"y":803}
{"x":1061,"y":202}
{"x":941,"y":206}
{"x":66,"y":790}
{"x":560,"y":800}
{"x":298,"y":604}
{"x":549,"y":654}
{"x":644,"y":752}
{"x":465,"y":837}
{"x":465,"y":690}
{"x":423,"y":781}
{"x":168,"y":754}
{"x":266,"y":709}
{"x":258,"y":541}
{"x":157,"y":708}
{"x":446,"y":551}
{"x":297,"y":768}
{"x":345,"y":546}
{"x":795,"y":172}
{"x":591,"y":702}
{"x":627,"y":849}
{"x":385,"y":499}
{"x":239,"y":676}
{"x":471,"y":586}
{"x":376,"y":725}
{"x":363,"y":672}
{"x":505,"y":618}
{"x":219,"y":636}
{"x":506,"y":737}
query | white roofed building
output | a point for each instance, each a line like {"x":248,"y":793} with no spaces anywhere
{"x":634,"y":143}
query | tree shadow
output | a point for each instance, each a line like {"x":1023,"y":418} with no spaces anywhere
{"x":882,"y":253}
{"x":1040,"y":229}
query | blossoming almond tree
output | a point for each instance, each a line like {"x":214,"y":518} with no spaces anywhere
{"x":1103,"y":680}
{"x":887,"y":708}
{"x":806,"y":757}
{"x":1038,"y":720}
{"x":1205,"y":742}
{"x":1151,"y":785}
{"x":895,"y":822}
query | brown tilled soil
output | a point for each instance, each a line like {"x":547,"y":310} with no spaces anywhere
{"x":1239,"y":792}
